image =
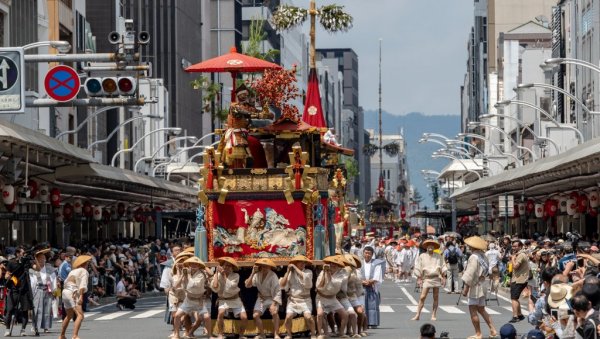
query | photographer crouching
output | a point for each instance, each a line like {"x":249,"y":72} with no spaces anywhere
{"x":19,"y":297}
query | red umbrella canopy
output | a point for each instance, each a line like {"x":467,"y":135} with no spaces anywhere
{"x":232,"y":62}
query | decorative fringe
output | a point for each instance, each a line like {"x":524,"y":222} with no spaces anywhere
{"x":231,"y":326}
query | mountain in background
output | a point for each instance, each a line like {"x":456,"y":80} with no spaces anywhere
{"x":412,"y":126}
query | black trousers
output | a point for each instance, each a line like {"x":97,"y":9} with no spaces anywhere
{"x":16,"y":306}
{"x":127,"y":302}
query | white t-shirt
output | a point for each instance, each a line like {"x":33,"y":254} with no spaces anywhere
{"x":121,"y":289}
{"x":493,"y":256}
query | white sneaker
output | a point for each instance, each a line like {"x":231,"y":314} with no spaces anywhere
{"x":7,"y":333}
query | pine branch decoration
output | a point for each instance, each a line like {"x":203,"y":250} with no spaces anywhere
{"x":286,"y":17}
{"x":334,"y":19}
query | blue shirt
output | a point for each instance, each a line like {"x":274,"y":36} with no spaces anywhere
{"x":452,"y":248}
{"x":63,"y":270}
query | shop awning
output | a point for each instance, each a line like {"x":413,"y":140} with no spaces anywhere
{"x":44,"y":150}
{"x":109,"y":182}
{"x":576,"y":169}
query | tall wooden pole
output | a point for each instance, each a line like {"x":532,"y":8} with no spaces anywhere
{"x":313,"y":13}
{"x":380,"y":132}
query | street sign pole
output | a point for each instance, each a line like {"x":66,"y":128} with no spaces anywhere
{"x":12,"y":85}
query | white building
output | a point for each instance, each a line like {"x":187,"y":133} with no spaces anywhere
{"x":394,"y":169}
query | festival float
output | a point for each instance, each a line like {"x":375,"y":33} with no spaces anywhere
{"x":273,"y":187}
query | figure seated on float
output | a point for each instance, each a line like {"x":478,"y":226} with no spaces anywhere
{"x":238,"y":149}
{"x":330,"y":138}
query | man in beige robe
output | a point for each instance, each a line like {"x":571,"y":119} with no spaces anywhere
{"x":330,"y":281}
{"x":475,"y":286}
{"x":297,"y":281}
{"x":193,"y":282}
{"x":269,"y":294}
{"x":225,"y":284}
{"x":430,"y":272}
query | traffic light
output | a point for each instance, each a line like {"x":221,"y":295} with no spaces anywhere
{"x":110,"y":86}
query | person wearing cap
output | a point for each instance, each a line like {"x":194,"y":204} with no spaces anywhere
{"x":474,"y":279}
{"x":73,"y":293}
{"x":430,"y":272}
{"x":269,"y":294}
{"x":372,"y":275}
{"x":17,"y":302}
{"x":225,"y":284}
{"x":330,"y":281}
{"x":193,"y":283}
{"x":297,"y":282}
{"x":508,"y":331}
{"x":42,"y":278}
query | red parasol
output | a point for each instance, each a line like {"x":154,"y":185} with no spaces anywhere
{"x":232,"y":62}
{"x":313,"y":111}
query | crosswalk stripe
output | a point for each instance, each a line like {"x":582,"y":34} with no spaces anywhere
{"x":385,"y":309}
{"x":150,"y":313}
{"x":413,"y":308}
{"x":410,"y":297}
{"x":451,"y":309}
{"x":523,"y":311}
{"x":490,"y":311}
{"x":90,"y":314}
{"x":113,"y":315}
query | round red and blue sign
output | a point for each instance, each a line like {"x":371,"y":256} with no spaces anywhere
{"x":62,"y":83}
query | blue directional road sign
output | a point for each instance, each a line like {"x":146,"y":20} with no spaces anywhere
{"x":12,"y":86}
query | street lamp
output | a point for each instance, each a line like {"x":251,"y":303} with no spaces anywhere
{"x":61,"y":46}
{"x":477,"y":123}
{"x":190,"y":138}
{"x":480,"y":137}
{"x":443,"y":155}
{"x":430,"y":172}
{"x":185,"y":149}
{"x":467,"y":156}
{"x":174,"y":130}
{"x":114,"y":131}
{"x":558,"y":61}
{"x":544,"y":113}
{"x":96,"y":112}
{"x":560,"y":90}
{"x":482,"y":154}
{"x":522,"y":123}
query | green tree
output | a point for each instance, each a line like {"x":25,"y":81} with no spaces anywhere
{"x":417,"y":198}
{"x":256,"y":37}
{"x":352,"y":170}
{"x":210,"y":96}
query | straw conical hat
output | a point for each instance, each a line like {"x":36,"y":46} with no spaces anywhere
{"x":81,"y":260}
{"x":194,"y":260}
{"x":44,"y":251}
{"x":477,"y":243}
{"x":430,"y":242}
{"x":336,"y":260}
{"x":230,"y":261}
{"x":266,"y":262}
{"x":301,"y":258}
{"x":350,"y":260}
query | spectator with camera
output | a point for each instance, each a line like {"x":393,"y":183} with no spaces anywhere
{"x":126,"y":295}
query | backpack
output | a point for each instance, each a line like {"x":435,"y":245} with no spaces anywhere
{"x":452,"y":257}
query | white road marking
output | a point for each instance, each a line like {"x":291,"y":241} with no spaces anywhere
{"x":451,"y":309}
{"x":150,"y":313}
{"x":385,"y":309}
{"x":491,"y":312}
{"x":413,"y":309}
{"x":90,"y":314}
{"x":410,"y":297}
{"x":113,"y":315}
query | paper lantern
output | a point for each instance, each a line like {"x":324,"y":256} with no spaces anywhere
{"x":139,"y":215}
{"x":594,"y":199}
{"x":8,"y":194}
{"x":593,"y":212}
{"x":571,"y":206}
{"x":539,"y":210}
{"x":58,"y":214}
{"x":530,"y":206}
{"x":582,"y":203}
{"x":562,"y":204}
{"x":552,"y":208}
{"x":68,"y":212}
{"x":77,"y":206}
{"x":33,"y":189}
{"x":97,"y":212}
{"x":521,"y":208}
{"x":44,"y":193}
{"x":55,"y":197}
{"x":88,"y":209}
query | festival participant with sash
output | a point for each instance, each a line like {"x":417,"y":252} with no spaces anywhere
{"x":372,"y":274}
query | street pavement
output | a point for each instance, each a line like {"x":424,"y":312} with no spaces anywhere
{"x":398,"y":305}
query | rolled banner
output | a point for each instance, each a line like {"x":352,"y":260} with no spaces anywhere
{"x":44,"y":193}
{"x":571,"y":206}
{"x":8,"y":194}
{"x":539,"y":210}
{"x":97,"y":212}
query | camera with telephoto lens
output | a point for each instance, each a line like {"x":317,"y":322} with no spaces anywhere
{"x":445,"y":335}
{"x":574,"y":237}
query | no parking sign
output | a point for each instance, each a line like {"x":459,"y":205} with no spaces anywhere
{"x":62,"y":83}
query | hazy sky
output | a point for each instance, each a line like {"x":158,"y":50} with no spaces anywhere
{"x":424,"y":51}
